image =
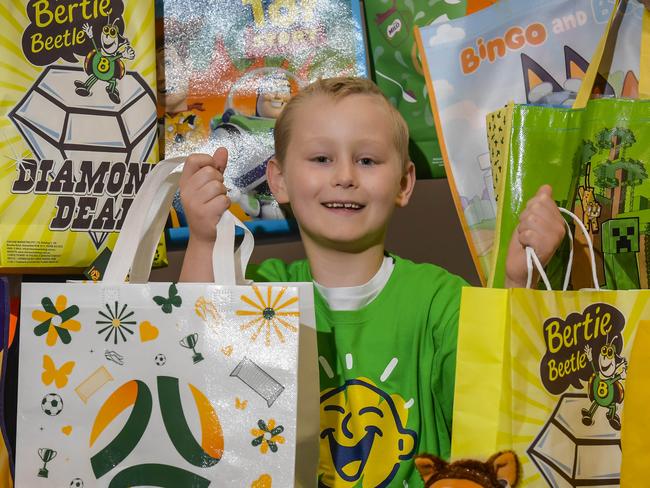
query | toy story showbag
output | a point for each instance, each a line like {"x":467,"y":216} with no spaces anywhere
{"x":526,"y":51}
{"x":595,"y":157}
{"x":550,"y":370}
{"x":167,"y":384}
{"x":397,"y":69}
{"x":227,"y":68}
{"x":77,"y":127}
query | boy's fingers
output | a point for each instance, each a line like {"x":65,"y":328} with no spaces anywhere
{"x":220,"y":158}
{"x":204,"y":176}
{"x":195,"y":162}
{"x":532,"y":238}
{"x":542,"y":204}
{"x":545,"y":190}
{"x":218,"y":205}
{"x":534,"y":217}
{"x":209,"y":191}
{"x":545,"y":224}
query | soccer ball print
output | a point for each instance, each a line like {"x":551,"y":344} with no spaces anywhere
{"x":52,"y":404}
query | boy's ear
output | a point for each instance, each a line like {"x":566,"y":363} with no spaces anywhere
{"x":275,"y":180}
{"x":407,"y":183}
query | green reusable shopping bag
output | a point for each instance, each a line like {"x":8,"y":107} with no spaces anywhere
{"x":397,"y":69}
{"x":595,"y":156}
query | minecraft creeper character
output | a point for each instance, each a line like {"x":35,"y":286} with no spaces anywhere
{"x":620,"y":238}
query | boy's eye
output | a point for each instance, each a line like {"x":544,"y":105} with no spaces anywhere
{"x":366,"y":161}
{"x":320,"y":159}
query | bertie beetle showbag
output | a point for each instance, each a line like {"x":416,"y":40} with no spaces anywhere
{"x":550,"y":372}
{"x":77,"y":127}
{"x":526,"y":51}
{"x":549,"y":369}
{"x":167,"y":384}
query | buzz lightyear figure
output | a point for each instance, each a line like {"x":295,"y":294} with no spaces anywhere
{"x":250,"y":190}
{"x":105,"y":62}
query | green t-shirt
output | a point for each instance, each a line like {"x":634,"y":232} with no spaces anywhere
{"x":386,"y":374}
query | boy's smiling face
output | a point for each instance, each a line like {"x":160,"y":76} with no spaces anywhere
{"x":342,"y":172}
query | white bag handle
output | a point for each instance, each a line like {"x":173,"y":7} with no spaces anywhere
{"x":531,"y":257}
{"x":140,"y":233}
{"x":229,"y":268}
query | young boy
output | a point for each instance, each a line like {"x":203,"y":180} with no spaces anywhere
{"x":387,"y":327}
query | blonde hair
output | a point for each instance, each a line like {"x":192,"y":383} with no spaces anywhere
{"x":339,"y":88}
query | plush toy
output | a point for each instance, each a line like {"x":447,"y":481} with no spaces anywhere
{"x":500,"y":471}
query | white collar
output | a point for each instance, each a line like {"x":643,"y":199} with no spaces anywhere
{"x":356,"y":297}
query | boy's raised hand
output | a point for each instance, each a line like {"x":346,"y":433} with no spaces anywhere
{"x":541,"y":227}
{"x":203,"y":194}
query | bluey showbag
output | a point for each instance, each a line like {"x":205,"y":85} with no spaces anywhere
{"x":529,"y":51}
{"x":167,"y":384}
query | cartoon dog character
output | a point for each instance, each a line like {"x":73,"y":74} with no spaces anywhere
{"x":542,"y":89}
{"x":500,"y":471}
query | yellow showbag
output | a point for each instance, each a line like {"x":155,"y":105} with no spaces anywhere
{"x":545,"y":373}
{"x":78,"y":128}
{"x":634,"y":437}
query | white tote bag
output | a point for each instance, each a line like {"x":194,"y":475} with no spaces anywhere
{"x":163,"y":384}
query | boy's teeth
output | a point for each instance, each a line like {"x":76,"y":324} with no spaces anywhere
{"x":343,"y":205}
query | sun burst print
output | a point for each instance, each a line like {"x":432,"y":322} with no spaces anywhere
{"x":115,"y":323}
{"x":270,"y":314}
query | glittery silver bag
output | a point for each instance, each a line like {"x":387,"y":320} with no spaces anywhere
{"x":165,"y":384}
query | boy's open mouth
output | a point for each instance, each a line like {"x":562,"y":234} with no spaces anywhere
{"x":343,"y":205}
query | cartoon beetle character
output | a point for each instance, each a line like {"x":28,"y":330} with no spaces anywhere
{"x":605,"y":387}
{"x":500,"y":471}
{"x":105,"y":62}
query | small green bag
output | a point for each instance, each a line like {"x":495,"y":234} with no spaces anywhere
{"x":397,"y":69}
{"x":595,"y":156}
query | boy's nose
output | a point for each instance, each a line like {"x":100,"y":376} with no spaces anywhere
{"x":345,"y":174}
